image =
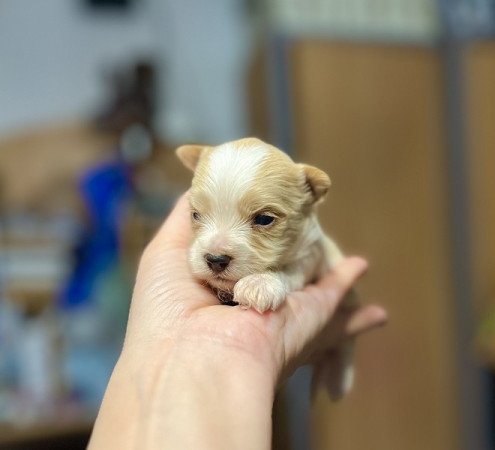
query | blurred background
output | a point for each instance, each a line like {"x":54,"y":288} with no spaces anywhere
{"x":395,"y":99}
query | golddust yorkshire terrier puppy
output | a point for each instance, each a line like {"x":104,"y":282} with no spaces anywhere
{"x":256,"y":236}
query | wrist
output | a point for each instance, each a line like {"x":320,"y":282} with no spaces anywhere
{"x":211,"y":395}
{"x":190,"y":356}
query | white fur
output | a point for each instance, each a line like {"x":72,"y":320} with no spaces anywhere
{"x":231,"y":173}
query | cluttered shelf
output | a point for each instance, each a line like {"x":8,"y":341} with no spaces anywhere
{"x":11,"y":436}
{"x":72,"y":227}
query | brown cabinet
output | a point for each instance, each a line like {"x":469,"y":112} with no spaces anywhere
{"x":479,"y":68}
{"x":373,"y":117}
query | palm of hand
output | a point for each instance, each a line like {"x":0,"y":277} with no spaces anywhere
{"x":169,"y":305}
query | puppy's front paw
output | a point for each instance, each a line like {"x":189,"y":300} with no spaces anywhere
{"x":262,"y":291}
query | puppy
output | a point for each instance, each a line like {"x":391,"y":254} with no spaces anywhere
{"x":256,"y":236}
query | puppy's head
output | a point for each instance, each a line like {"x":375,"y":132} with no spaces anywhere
{"x":249,"y":204}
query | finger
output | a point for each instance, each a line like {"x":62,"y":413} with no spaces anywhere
{"x":176,"y":230}
{"x":328,"y":370}
{"x":344,"y":274}
{"x":321,"y":373}
{"x":336,"y":371}
{"x":365,"y":319}
{"x":345,"y":326}
{"x":320,"y":301}
{"x":165,"y":256}
{"x":308,"y":312}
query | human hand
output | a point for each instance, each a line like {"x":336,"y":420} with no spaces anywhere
{"x":197,"y":374}
{"x":170,"y":308}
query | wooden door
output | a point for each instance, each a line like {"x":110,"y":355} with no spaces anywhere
{"x":479,"y":69}
{"x":372,"y":117}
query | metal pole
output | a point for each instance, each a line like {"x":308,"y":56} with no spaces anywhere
{"x":473,"y":381}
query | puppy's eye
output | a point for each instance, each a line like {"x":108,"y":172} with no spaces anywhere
{"x":195,"y":216}
{"x":263,"y":220}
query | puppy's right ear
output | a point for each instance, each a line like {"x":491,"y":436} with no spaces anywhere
{"x":190,"y":154}
{"x":317,"y":182}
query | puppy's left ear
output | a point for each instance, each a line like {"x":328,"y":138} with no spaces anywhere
{"x":317,"y":181}
{"x":190,"y":155}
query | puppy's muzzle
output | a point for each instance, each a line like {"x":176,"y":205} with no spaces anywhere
{"x":217,"y":263}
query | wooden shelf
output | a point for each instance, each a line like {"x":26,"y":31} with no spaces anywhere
{"x":18,"y":434}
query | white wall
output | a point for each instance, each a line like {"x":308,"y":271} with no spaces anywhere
{"x":207,"y":44}
{"x":53,"y":54}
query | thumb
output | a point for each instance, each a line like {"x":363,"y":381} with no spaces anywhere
{"x":175,"y":233}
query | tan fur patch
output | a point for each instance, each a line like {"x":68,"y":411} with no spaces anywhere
{"x":279,"y":189}
{"x":232,"y":184}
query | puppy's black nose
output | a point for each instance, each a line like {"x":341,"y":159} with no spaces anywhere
{"x":217,"y":263}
